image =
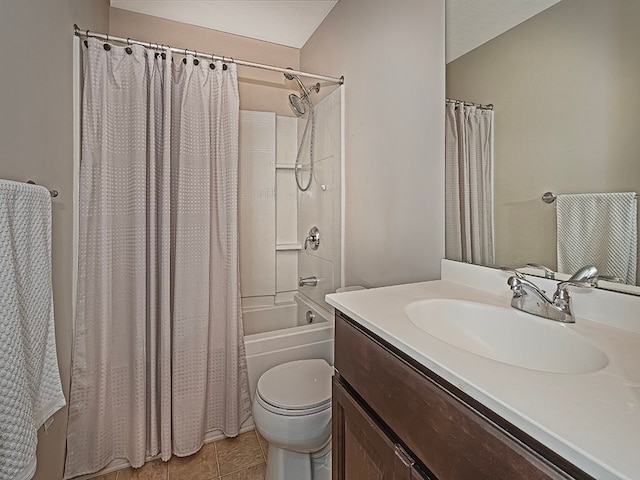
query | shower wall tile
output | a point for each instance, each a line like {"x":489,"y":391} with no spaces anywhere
{"x":286,"y":190}
{"x":286,"y":297}
{"x":257,"y":203}
{"x":286,"y":207}
{"x":274,"y":212}
{"x":328,"y":126}
{"x":287,"y":270}
{"x":286,"y":140}
{"x":253,"y":302}
{"x":320,"y":205}
{"x":317,"y":208}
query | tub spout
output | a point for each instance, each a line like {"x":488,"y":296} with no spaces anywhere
{"x":308,"y":281}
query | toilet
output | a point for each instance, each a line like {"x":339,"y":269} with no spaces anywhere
{"x":292,"y":411}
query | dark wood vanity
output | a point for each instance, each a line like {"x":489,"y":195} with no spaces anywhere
{"x":395,"y":419}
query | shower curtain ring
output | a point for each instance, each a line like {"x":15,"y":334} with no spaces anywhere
{"x":106,"y":46}
{"x":129,"y":41}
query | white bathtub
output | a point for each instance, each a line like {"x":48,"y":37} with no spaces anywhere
{"x":278,"y":334}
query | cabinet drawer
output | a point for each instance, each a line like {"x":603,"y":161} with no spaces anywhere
{"x":453,"y":440}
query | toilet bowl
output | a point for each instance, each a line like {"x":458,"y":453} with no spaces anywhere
{"x":292,"y":411}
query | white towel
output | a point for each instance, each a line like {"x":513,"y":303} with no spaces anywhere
{"x":30,"y":387}
{"x":598,"y":229}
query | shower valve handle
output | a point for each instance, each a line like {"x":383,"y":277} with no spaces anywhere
{"x":313,"y":239}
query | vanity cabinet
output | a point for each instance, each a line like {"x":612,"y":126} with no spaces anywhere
{"x":395,"y":419}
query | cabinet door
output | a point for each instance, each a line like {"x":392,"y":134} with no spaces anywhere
{"x":361,"y":450}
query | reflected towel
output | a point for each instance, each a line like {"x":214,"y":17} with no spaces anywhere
{"x":598,"y":229}
{"x":30,"y":388}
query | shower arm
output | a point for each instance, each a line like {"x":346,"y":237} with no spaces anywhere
{"x":303,"y":89}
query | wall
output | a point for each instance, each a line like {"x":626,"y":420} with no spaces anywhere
{"x":257,"y":205}
{"x":260,"y":90}
{"x":275,"y":217}
{"x":287,"y":241}
{"x":267,"y":209}
{"x":565,"y":89}
{"x":36,"y":140}
{"x":319,"y":205}
{"x":392,"y":57}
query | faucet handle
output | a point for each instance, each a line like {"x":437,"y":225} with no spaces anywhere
{"x":515,"y":280}
{"x":562,"y":298}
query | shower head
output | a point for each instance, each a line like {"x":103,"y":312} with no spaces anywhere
{"x":298,"y":102}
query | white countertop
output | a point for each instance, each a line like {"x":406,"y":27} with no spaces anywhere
{"x":592,"y":420}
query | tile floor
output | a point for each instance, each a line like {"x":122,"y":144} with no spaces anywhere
{"x":240,"y":458}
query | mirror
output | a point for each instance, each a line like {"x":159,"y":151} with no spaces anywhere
{"x":565,"y":86}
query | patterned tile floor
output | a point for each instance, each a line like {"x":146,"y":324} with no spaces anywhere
{"x":240,"y":458}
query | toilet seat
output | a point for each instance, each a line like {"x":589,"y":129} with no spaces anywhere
{"x":296,"y":388}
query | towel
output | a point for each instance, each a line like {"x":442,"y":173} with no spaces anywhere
{"x":30,"y":387}
{"x":598,"y":229}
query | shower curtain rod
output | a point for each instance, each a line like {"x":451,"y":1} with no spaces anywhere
{"x":463,"y":102}
{"x":184,"y":51}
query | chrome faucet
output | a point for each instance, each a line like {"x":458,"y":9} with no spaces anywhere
{"x":529,"y":298}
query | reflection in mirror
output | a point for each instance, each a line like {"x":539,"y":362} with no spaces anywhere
{"x":565,"y":86}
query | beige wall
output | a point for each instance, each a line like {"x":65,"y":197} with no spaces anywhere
{"x":392,"y":57}
{"x":565,"y":86}
{"x":36,"y":139}
{"x":259,"y":89}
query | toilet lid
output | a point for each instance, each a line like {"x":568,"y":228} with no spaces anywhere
{"x":297,"y":385}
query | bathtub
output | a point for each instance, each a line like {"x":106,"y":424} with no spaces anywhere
{"x":282,"y":333}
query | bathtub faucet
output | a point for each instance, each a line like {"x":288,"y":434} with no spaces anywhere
{"x":308,"y":281}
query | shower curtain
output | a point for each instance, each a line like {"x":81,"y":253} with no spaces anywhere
{"x":469,"y":184}
{"x":158,"y":356}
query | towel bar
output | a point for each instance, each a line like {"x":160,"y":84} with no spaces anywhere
{"x":550,"y":197}
{"x":54,"y":193}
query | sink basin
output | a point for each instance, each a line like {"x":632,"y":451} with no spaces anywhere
{"x":507,"y":335}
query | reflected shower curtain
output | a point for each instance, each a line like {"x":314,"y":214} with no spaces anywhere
{"x":158,"y":355}
{"x":469,"y":184}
